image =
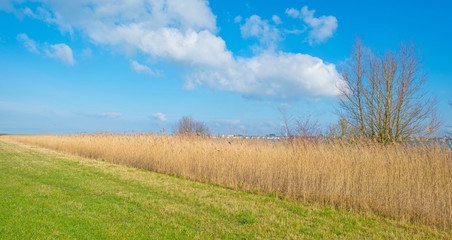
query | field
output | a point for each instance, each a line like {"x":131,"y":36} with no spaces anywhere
{"x":408,"y":183}
{"x":47,"y":194}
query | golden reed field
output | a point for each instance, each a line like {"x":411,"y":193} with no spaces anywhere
{"x":412,"y":183}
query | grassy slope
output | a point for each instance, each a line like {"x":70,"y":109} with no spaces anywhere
{"x":49,"y":194}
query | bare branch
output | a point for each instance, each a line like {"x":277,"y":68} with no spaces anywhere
{"x":384,"y":96}
{"x":187,"y":125}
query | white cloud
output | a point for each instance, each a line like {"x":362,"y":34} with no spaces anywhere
{"x":267,"y":34}
{"x":40,"y":13}
{"x":139,"y":68}
{"x":29,"y":43}
{"x":321,"y":28}
{"x":92,"y":15}
{"x":158,"y":116}
{"x":276,"y":19}
{"x":292,"y":12}
{"x":238,"y":19}
{"x":188,"y":47}
{"x":27,"y":11}
{"x":61,"y":52}
{"x":184,"y":32}
{"x":275,"y":75}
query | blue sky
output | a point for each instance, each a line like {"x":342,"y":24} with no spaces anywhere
{"x":107,"y":65}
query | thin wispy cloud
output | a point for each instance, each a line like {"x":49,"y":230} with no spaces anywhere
{"x":28,"y":43}
{"x":228,"y":121}
{"x":60,"y":52}
{"x":276,"y":19}
{"x":267,"y":34}
{"x":238,"y":19}
{"x":33,"y":109}
{"x":140,"y":68}
{"x":28,"y":12}
{"x":158,"y":116}
{"x":320,"y":28}
{"x":87,"y":53}
{"x":110,"y":115}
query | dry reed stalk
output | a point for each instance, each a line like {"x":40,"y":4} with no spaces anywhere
{"x":402,"y":181}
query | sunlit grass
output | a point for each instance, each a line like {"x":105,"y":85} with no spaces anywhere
{"x":45,"y":194}
{"x":409,"y":183}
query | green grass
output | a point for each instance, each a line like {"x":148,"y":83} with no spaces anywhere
{"x":45,"y":194}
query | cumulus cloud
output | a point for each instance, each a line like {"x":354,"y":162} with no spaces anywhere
{"x":321,"y":28}
{"x":139,"y":68}
{"x":267,"y":34}
{"x":184,"y":32}
{"x":61,"y":52}
{"x":93,"y":15}
{"x":29,"y":43}
{"x":158,"y":116}
{"x":275,"y":75}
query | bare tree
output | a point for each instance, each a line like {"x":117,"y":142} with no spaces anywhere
{"x":450,"y":127}
{"x":187,"y":125}
{"x":301,"y":127}
{"x":308,"y":127}
{"x":286,"y":126}
{"x":383,"y":97}
{"x":340,"y":130}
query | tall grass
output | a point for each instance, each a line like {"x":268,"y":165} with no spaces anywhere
{"x":407,"y":182}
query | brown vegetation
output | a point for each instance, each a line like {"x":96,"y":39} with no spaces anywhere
{"x":383,"y":97}
{"x":188,"y":126}
{"x":403,"y":181}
